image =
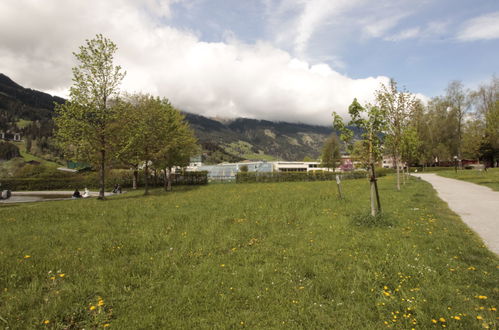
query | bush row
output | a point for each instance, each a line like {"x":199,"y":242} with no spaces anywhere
{"x":91,"y":180}
{"x":250,"y":177}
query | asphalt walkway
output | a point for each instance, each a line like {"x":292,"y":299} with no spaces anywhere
{"x":477,"y":205}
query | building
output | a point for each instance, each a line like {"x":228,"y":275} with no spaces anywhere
{"x":9,"y":136}
{"x":228,"y":171}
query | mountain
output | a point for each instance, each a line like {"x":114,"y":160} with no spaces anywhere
{"x":260,"y":139}
{"x":234,"y":140}
{"x":25,"y":103}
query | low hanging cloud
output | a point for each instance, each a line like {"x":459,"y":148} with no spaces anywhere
{"x":225,"y":79}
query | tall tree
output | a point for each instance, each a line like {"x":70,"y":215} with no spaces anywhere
{"x":84,"y":122}
{"x":397,"y":105}
{"x":458,"y":101}
{"x":146,"y":120}
{"x":180,"y":146}
{"x":331,"y":156}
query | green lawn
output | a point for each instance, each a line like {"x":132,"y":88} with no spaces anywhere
{"x":28,"y":157}
{"x":279,"y":255}
{"x":489,"y":178}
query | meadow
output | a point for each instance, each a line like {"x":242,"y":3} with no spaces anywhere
{"x":263,"y":255}
{"x":490,"y":178}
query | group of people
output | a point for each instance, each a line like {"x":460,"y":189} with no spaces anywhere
{"x":77,"y":193}
{"x":86,"y":193}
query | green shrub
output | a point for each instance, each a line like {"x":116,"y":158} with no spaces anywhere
{"x":365,"y":219}
{"x":8,"y":151}
{"x":251,"y":177}
{"x":91,"y":180}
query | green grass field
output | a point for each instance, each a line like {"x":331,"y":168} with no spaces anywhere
{"x":280,"y":255}
{"x":489,"y":178}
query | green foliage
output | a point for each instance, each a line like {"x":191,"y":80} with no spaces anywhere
{"x":42,"y":182}
{"x":84,"y":123}
{"x":331,"y":156}
{"x":260,"y":256}
{"x":243,"y":168}
{"x":252,"y":177}
{"x":8,"y":151}
{"x":365,"y":219}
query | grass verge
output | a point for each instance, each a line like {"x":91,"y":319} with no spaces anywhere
{"x":277,"y":255}
{"x":489,"y":178}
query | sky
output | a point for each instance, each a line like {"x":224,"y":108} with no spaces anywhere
{"x":280,"y":60}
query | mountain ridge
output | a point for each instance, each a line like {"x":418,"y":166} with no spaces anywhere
{"x":222,"y":140}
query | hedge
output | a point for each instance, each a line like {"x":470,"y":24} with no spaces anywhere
{"x":250,"y":177}
{"x":91,"y":180}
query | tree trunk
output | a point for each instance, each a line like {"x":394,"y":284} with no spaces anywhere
{"x":372,"y":178}
{"x":102,"y":181}
{"x":398,"y":171}
{"x":135,"y":177}
{"x":165,"y":179}
{"x":373,"y":196}
{"x":146,"y":174}
{"x":403,"y":174}
{"x":169,"y":179}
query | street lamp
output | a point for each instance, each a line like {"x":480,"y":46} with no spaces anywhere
{"x":455,"y":164}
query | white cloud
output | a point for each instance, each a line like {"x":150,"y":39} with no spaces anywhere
{"x":405,"y":34}
{"x":376,"y":27}
{"x":226,"y":79}
{"x":483,"y":27}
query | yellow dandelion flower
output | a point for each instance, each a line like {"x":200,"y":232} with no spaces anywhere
{"x":27,"y":256}
{"x":482,"y":297}
{"x":46,"y":322}
{"x":92,"y":308}
{"x":62,"y":275}
{"x":493,"y":309}
{"x":457,"y":318}
{"x":105,"y":325}
{"x":471,"y":268}
{"x":434,"y":321}
{"x":479,"y":317}
{"x":441,"y":319}
{"x":100,"y":303}
{"x":52,"y":277}
{"x":386,"y":293}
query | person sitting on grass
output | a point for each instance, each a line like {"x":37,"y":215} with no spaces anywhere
{"x":76,"y":194}
{"x":86,"y":194}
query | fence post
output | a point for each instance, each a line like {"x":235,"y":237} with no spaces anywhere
{"x":338,"y":183}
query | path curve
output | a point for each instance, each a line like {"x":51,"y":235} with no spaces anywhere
{"x":477,"y":205}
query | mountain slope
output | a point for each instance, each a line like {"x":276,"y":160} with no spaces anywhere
{"x":221,"y":141}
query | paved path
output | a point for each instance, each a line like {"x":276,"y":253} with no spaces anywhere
{"x":477,"y":205}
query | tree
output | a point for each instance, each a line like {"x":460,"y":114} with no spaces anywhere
{"x":372,"y":122}
{"x":397,"y":106}
{"x":147,"y":126}
{"x":180,"y":146}
{"x":458,"y":100}
{"x":331,"y":153}
{"x":410,"y":145}
{"x":473,"y":138}
{"x":85,"y":122}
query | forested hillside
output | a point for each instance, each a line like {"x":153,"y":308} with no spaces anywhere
{"x":30,"y":112}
